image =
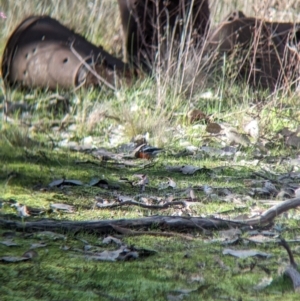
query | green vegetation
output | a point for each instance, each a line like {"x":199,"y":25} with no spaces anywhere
{"x":32,"y":155}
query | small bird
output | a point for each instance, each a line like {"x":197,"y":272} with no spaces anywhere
{"x":147,"y":152}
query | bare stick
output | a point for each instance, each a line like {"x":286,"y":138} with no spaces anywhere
{"x":129,"y":232}
{"x":176,"y":223}
{"x":272,"y":212}
{"x":291,"y":270}
{"x":100,"y":78}
{"x":127,"y":203}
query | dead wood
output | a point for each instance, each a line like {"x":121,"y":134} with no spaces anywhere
{"x":175,"y":223}
{"x":291,"y":270}
{"x":167,"y":205}
{"x":168,"y":223}
{"x":129,"y":232}
{"x":272,"y":212}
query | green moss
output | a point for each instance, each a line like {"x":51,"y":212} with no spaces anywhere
{"x":30,"y":160}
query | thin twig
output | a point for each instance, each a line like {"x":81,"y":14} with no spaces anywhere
{"x":126,"y":203}
{"x":100,"y":78}
{"x":129,"y":232}
{"x":291,"y":270}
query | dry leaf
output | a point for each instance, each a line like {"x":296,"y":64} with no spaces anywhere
{"x":245,"y":253}
{"x":208,"y":190}
{"x":185,"y":169}
{"x":285,"y":132}
{"x":50,"y":235}
{"x":293,"y":141}
{"x":260,"y":239}
{"x":271,"y":188}
{"x":123,"y":253}
{"x":175,"y":298}
{"x":213,"y":128}
{"x":196,"y":115}
{"x":38,"y":245}
{"x":297,"y":192}
{"x":109,"y":239}
{"x":197,"y":278}
{"x":192,"y":194}
{"x":63,"y":207}
{"x":124,"y":198}
{"x":12,"y":259}
{"x":230,"y":234}
{"x":189,"y":169}
{"x":22,"y":210}
{"x":143,"y":181}
{"x":266,"y":281}
{"x":171,"y":183}
{"x":58,"y":183}
{"x":235,"y":137}
{"x":106,"y":255}
{"x":9,"y":243}
{"x":252,"y":129}
{"x":30,"y":254}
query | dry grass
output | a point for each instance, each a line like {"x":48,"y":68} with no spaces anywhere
{"x":93,"y":19}
{"x":153,"y":106}
{"x":176,"y":86}
{"x":89,"y":18}
{"x":273,"y":10}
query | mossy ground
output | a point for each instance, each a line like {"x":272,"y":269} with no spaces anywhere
{"x":29,"y":165}
{"x":57,"y":274}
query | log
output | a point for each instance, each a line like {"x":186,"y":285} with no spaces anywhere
{"x":272,"y":212}
{"x":164,"y":223}
{"x":175,"y":223}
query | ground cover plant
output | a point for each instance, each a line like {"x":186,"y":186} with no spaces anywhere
{"x":83,"y":217}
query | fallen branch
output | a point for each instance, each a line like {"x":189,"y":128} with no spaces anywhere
{"x":175,"y":223}
{"x":291,"y":270}
{"x":134,"y":203}
{"x":272,"y":212}
{"x":163,"y":223}
{"x":129,"y":232}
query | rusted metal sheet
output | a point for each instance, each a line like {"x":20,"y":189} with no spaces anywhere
{"x":147,"y":24}
{"x":266,"y":52}
{"x":42,"y":52}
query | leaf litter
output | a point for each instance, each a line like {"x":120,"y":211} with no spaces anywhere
{"x":28,"y":255}
{"x":123,"y":253}
{"x":245,"y":253}
{"x":265,"y":191}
